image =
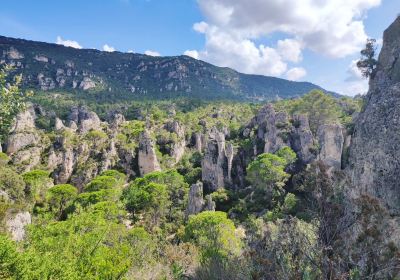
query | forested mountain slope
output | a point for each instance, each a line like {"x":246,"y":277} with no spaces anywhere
{"x":116,"y":76}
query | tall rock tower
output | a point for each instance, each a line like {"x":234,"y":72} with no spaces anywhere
{"x":375,"y":148}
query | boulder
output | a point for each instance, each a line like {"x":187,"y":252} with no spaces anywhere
{"x":16,"y":225}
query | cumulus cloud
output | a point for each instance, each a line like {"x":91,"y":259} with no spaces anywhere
{"x":332,"y":28}
{"x":355,"y":83}
{"x":152,"y":53}
{"x":225,"y":49}
{"x":68,"y":43}
{"x":290,"y":50}
{"x":108,"y":48}
{"x":192,"y":53}
{"x":296,"y":73}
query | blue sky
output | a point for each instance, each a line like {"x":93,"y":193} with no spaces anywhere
{"x":299,"y":40}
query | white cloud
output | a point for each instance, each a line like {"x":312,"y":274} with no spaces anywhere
{"x":354,"y":74}
{"x":152,"y":53}
{"x":130,"y":51}
{"x":333,"y":28}
{"x":68,"y":43}
{"x":200,"y":27}
{"x":108,"y":48}
{"x":192,"y":53}
{"x":290,"y":50}
{"x":296,"y":73}
{"x":355,"y":83}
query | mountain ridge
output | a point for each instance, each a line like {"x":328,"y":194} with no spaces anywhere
{"x":51,"y":67}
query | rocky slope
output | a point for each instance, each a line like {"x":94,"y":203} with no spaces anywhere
{"x":121,"y":76}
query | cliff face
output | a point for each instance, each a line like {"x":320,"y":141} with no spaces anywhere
{"x":375,"y":149}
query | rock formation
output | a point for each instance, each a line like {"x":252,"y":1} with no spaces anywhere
{"x":147,"y":157}
{"x":375,"y":148}
{"x":215,"y":161}
{"x":302,"y":139}
{"x":85,"y":119}
{"x":16,"y":225}
{"x":24,"y":142}
{"x":331,"y":141}
{"x":178,"y":147}
{"x":196,"y":202}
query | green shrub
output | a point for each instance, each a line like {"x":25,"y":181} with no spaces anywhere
{"x":102,"y":183}
{"x":215,"y":235}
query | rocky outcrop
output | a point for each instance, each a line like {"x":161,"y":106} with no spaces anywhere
{"x":217,"y":161}
{"x":199,"y":140}
{"x":302,"y":139}
{"x":24,"y":142}
{"x":272,"y":130}
{"x":178,"y":146}
{"x":196,"y":202}
{"x":375,"y":146}
{"x":147,"y":158}
{"x":85,"y":119}
{"x":16,"y":225}
{"x":87,"y":84}
{"x":331,"y":141}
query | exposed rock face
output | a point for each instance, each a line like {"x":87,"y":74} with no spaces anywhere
{"x":215,"y":162}
{"x":24,"y":142}
{"x":178,"y":148}
{"x":87,"y":84}
{"x":85,"y":119}
{"x":272,"y":129}
{"x":375,"y":148}
{"x":59,"y":125}
{"x":147,"y":157}
{"x":13,"y":53}
{"x":331,"y":140}
{"x":45,"y":83}
{"x":302,"y":139}
{"x":196,"y":203}
{"x":16,"y":225}
{"x":199,"y":140}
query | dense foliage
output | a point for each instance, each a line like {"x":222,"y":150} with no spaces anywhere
{"x":12,"y":101}
{"x":285,"y":222}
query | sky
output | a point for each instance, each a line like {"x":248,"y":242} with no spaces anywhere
{"x":303,"y":40}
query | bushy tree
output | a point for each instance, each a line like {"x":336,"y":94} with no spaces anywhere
{"x":267,"y":172}
{"x":102,"y":183}
{"x":85,"y":246}
{"x":320,"y":108}
{"x":59,"y":197}
{"x":176,"y":190}
{"x":150,"y":199}
{"x":215,"y":235}
{"x":12,"y":266}
{"x":37,"y":182}
{"x":367,"y":64}
{"x":12,"y":183}
{"x":12,"y":101}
